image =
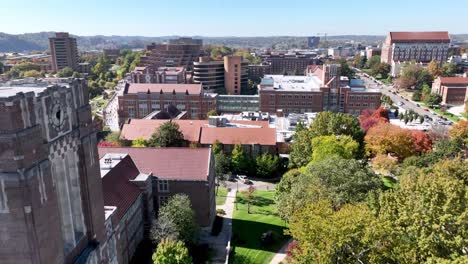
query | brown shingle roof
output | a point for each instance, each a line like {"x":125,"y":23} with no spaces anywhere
{"x":454,"y":80}
{"x":168,"y":163}
{"x":420,"y":36}
{"x":118,"y":190}
{"x":164,"y":87}
{"x":245,"y":136}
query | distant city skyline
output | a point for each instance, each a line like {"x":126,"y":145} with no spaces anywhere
{"x":217,"y":18}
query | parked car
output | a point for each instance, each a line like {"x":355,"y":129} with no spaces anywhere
{"x":426,"y":109}
{"x":418,"y":105}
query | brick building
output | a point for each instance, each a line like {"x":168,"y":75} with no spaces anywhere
{"x":176,"y":170}
{"x":222,"y":76}
{"x":454,"y":90}
{"x":128,"y":205}
{"x":141,"y":99}
{"x":322,"y":89}
{"x":178,"y":52}
{"x":64,"y":51}
{"x":148,"y":74}
{"x":415,"y":46}
{"x":51,"y":203}
{"x":256,"y":72}
{"x":290,"y":63}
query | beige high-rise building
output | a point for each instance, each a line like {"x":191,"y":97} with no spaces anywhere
{"x":235,"y":74}
{"x":64,"y":51}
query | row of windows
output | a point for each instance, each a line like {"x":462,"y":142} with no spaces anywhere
{"x":372,"y":105}
{"x":364,"y":97}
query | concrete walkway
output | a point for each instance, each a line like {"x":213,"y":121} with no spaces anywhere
{"x":281,"y":255}
{"x":221,"y":243}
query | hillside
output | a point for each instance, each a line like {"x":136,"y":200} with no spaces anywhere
{"x":39,"y":41}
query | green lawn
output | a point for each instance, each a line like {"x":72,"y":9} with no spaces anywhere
{"x":248,"y":228}
{"x":221,"y":196}
{"x":389,"y":182}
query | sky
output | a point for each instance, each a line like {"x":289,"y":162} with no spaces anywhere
{"x":232,"y":17}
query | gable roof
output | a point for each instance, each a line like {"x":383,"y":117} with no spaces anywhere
{"x":117,"y":188}
{"x":168,"y":163}
{"x":437,"y":36}
{"x":144,"y":128}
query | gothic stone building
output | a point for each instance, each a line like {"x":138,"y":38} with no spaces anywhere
{"x":51,"y":203}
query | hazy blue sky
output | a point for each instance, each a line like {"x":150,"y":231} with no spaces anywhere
{"x":232,"y":17}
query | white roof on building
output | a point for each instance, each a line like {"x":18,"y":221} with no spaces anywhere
{"x":292,"y":83}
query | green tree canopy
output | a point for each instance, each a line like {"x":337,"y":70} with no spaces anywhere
{"x":171,"y":252}
{"x":177,"y":212}
{"x":301,"y":150}
{"x":327,"y":146}
{"x":65,"y":72}
{"x":336,"y":179}
{"x":267,"y":165}
{"x":239,"y":160}
{"x":328,"y":123}
{"x":167,"y":135}
{"x":433,"y":99}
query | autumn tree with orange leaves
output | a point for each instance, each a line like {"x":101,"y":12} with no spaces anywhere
{"x":385,"y":138}
{"x":369,"y":118}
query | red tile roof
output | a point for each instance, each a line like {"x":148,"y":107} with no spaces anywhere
{"x":420,"y":36}
{"x":454,"y":80}
{"x":164,"y":87}
{"x":144,"y":128}
{"x":118,"y":190}
{"x":245,"y":136}
{"x":168,"y":163}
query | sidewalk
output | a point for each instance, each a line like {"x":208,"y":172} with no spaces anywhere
{"x":221,"y":242}
{"x":281,"y":255}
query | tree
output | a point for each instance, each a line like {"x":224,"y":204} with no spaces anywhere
{"x":434,"y":69}
{"x":385,"y":164}
{"x":327,"y":146}
{"x":178,"y":211}
{"x":459,"y":132}
{"x":369,"y":118}
{"x":421,"y":141}
{"x":301,"y":150}
{"x":449,"y":69}
{"x":139,"y":142}
{"x":171,"y":252}
{"x":267,"y":165}
{"x":65,"y":72}
{"x":381,"y":68}
{"x":328,"y":123}
{"x":163,"y":228}
{"x":386,"y":138}
{"x":167,"y":135}
{"x":348,"y":235}
{"x":32,"y":73}
{"x":212,"y":112}
{"x":405,"y":82}
{"x":249,"y":196}
{"x":239,"y":160}
{"x":359,"y":61}
{"x":336,"y":179}
{"x":426,"y":91}
{"x":426,"y":217}
{"x":374,"y":60}
{"x":417,"y":96}
{"x":76,"y":75}
{"x":222,"y":167}
{"x":114,"y":138}
{"x":433,"y":99}
{"x":345,"y":69}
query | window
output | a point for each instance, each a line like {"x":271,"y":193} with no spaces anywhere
{"x":163,"y":200}
{"x":163,"y":185}
{"x":3,"y":198}
{"x":131,"y":112}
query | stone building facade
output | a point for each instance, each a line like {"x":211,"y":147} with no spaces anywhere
{"x":454,"y":90}
{"x":51,"y":204}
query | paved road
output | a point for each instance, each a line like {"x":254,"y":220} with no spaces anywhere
{"x":391,"y":91}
